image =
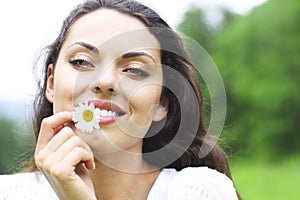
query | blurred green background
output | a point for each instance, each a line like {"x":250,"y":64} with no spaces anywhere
{"x":258,"y":56}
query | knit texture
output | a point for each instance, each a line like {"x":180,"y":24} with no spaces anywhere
{"x":197,"y":183}
{"x":193,"y":183}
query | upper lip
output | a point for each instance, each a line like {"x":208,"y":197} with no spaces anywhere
{"x":106,"y":105}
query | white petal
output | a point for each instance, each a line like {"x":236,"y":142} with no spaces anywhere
{"x":80,"y":123}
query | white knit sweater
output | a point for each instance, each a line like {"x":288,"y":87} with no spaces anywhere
{"x":199,"y":183}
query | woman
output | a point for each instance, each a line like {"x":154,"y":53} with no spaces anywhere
{"x":119,"y":114}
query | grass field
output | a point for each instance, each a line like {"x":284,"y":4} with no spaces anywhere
{"x":261,"y":180}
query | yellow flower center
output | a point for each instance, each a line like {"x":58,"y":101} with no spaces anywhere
{"x":87,"y":115}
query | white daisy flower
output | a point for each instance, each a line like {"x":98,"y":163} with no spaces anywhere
{"x":85,"y":117}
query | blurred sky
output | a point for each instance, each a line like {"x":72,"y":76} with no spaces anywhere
{"x":27,"y":26}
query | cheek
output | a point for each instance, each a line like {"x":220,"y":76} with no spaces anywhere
{"x":65,"y":90}
{"x":62,"y":95}
{"x":142,"y":102}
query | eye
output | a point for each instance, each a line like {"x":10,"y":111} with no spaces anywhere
{"x":81,"y":63}
{"x":136,"y":71}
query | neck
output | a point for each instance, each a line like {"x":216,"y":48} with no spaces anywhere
{"x":118,"y":178}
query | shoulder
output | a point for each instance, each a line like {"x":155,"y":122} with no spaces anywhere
{"x":25,"y":186}
{"x":201,"y":183}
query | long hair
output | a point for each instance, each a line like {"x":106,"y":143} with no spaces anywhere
{"x":174,"y":55}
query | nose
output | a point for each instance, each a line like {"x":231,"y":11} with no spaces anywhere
{"x":106,"y":82}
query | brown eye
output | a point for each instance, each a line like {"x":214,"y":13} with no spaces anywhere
{"x":81,"y":63}
{"x":136,"y":71}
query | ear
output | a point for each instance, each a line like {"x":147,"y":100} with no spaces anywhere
{"x":50,"y":84}
{"x":158,"y":112}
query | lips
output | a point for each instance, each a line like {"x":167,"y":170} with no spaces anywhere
{"x":107,"y":111}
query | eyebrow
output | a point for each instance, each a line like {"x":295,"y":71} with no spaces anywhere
{"x":87,"y":46}
{"x":137,"y":54}
{"x":124,"y":56}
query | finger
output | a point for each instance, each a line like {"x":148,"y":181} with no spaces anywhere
{"x":77,"y":156}
{"x":63,"y":168}
{"x":68,"y":146}
{"x":48,"y":160}
{"x":64,"y":142}
{"x":59,"y":139}
{"x":49,"y":126}
{"x":90,"y":164}
{"x":58,"y":129}
{"x":46,"y":156}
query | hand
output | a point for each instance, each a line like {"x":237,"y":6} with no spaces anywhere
{"x":64,"y":158}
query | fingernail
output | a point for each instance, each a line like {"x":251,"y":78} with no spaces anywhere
{"x":58,"y":129}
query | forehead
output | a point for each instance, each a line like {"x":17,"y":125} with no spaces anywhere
{"x":108,"y":28}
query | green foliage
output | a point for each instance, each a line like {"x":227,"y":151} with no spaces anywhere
{"x":15,"y":146}
{"x":258,"y":56}
{"x":264,"y":180}
{"x":195,"y":25}
{"x":262,"y":76}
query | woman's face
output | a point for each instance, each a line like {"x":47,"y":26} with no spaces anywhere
{"x":109,"y":57}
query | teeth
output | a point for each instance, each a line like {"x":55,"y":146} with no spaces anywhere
{"x":104,"y":113}
{"x":97,"y":111}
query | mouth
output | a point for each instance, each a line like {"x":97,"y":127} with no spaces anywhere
{"x":107,"y":112}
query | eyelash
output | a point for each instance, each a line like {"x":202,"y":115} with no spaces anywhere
{"x":136,"y":71}
{"x":81,"y":63}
